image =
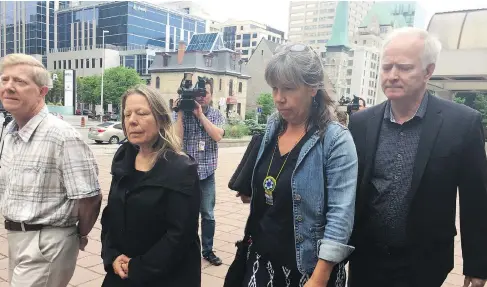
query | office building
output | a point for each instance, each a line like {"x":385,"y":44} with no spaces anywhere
{"x":27,"y":27}
{"x":135,"y":32}
{"x":311,"y":22}
{"x":243,"y":36}
{"x":353,"y":63}
{"x":192,"y":8}
{"x":413,"y":12}
{"x":205,"y":56}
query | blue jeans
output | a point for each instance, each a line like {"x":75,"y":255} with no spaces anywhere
{"x":207,"y":216}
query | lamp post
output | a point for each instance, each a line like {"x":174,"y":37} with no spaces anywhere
{"x":102,"y":71}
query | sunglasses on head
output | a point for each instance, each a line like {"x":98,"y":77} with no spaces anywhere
{"x":292,"y":48}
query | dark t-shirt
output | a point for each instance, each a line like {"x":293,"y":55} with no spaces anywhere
{"x":273,"y":235}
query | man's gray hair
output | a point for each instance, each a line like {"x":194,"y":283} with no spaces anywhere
{"x":432,"y":46}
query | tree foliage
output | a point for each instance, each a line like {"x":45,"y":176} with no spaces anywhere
{"x":481,"y":106}
{"x":116,"y":81}
{"x":476,"y":101}
{"x":56,"y":93}
{"x":266,"y":102}
{"x":89,"y":89}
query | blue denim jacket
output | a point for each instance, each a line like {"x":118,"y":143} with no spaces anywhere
{"x":323,"y":189}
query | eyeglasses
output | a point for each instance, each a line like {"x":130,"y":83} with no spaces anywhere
{"x":292,"y":48}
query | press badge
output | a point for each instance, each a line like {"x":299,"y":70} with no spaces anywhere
{"x":201,"y":146}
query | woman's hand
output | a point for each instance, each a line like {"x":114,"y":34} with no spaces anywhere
{"x":313,"y":282}
{"x":120,"y":266}
{"x":321,"y":274}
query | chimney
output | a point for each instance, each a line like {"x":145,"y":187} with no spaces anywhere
{"x":181,"y":50}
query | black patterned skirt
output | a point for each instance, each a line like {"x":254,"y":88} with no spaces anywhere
{"x":261,"y":272}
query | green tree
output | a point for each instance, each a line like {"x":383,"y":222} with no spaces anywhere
{"x":56,"y":93}
{"x":116,"y":81}
{"x":459,"y":100}
{"x":480,"y":104}
{"x":89,"y":89}
{"x":474,"y":100}
{"x":266,"y":102}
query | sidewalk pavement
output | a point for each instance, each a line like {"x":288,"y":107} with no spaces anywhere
{"x":230,"y":216}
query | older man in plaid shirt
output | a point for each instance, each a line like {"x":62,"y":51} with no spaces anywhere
{"x":49,"y":191}
{"x":201,"y":131}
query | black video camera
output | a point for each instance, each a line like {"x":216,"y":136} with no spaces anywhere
{"x":353,"y":106}
{"x":188,"y":94}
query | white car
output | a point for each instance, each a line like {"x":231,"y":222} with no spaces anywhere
{"x":110,"y":132}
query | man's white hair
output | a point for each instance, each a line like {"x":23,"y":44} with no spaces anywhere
{"x":432,"y":46}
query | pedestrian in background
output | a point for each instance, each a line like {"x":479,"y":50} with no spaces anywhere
{"x":49,"y":190}
{"x":150,"y":224}
{"x":303,"y":184}
{"x":200,"y":131}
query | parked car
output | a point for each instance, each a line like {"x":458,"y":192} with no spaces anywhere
{"x":110,"y":132}
{"x":57,"y":115}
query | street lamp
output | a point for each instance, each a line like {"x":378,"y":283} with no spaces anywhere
{"x":102,"y":71}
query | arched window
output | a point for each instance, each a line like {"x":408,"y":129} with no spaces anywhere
{"x":158,"y":83}
{"x":240,"y":87}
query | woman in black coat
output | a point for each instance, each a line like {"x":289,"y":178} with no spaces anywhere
{"x":150,"y":225}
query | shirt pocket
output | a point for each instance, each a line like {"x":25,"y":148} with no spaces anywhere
{"x":32,"y":179}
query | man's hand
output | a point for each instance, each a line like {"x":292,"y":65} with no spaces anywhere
{"x":118,"y":266}
{"x":313,"y":282}
{"x":473,"y":282}
{"x":198,"y":110}
{"x":243,"y":198}
{"x":83,"y":241}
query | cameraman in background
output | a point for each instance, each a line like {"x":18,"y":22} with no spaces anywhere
{"x":200,"y":131}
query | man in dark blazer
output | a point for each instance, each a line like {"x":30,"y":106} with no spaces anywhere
{"x":415,"y":150}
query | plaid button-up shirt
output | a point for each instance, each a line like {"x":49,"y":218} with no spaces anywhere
{"x":206,"y":155}
{"x":45,"y":167}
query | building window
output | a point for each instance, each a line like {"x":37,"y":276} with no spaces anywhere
{"x":55,"y":65}
{"x":81,"y":61}
{"x":208,"y":62}
{"x":59,"y":64}
{"x":158,"y":83}
{"x":76,"y":64}
{"x":230,"y":88}
{"x":69,"y":64}
{"x":238,"y":45}
{"x":262,"y":52}
{"x":101,"y":62}
{"x":240,"y":87}
{"x":93,"y":63}
{"x":239,"y":108}
{"x":254,"y":35}
{"x":87,"y":63}
{"x":64,"y":64}
{"x":220,"y":85}
{"x":239,"y":37}
{"x":254,"y":43}
{"x":241,"y":28}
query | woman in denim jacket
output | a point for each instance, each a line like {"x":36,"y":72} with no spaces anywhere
{"x":303,"y":183}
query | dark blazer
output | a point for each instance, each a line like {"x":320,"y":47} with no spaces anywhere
{"x":450,"y":155}
{"x":155,"y":222}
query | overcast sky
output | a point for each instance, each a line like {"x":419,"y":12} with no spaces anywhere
{"x":275,"y":12}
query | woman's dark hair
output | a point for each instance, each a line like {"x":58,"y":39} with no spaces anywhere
{"x":294,"y":65}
